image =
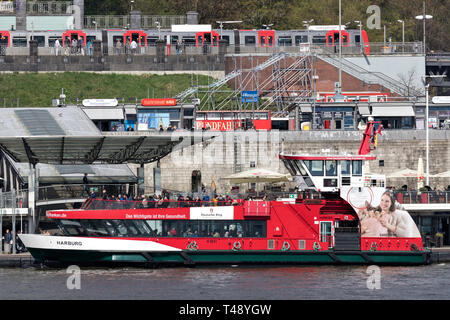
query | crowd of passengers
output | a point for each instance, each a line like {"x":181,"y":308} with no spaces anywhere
{"x":155,"y":201}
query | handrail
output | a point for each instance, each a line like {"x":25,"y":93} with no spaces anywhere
{"x":428,"y":197}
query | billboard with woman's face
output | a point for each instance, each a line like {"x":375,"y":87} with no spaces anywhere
{"x":379,"y":214}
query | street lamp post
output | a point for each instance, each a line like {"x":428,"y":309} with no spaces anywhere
{"x":360,"y":35}
{"x":340,"y":47}
{"x":427,"y":181}
{"x":424,"y":17}
{"x":403,"y":33}
{"x":306,"y":23}
{"x":159,"y":29}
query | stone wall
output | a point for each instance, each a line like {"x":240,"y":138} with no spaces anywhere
{"x":224,"y":155}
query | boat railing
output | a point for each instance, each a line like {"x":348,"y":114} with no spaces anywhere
{"x":416,"y":197}
{"x":101,"y":204}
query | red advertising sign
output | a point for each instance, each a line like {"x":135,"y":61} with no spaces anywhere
{"x":159,"y":102}
{"x":218,"y":125}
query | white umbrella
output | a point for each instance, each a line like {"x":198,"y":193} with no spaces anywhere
{"x":445,"y":174}
{"x":258,"y":175}
{"x":406,"y":173}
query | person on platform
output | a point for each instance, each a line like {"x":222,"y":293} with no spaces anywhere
{"x":85,"y":185}
{"x":57,"y":46}
{"x":8,"y":241}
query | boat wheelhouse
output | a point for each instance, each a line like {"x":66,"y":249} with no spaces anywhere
{"x":330,"y":173}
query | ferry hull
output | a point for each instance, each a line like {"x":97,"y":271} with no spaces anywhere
{"x":185,"y":257}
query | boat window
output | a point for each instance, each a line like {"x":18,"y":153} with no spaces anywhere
{"x":130,"y":225}
{"x":345,"y":166}
{"x":155,"y":227}
{"x":120,"y":227}
{"x":93,"y":228}
{"x":309,"y":182}
{"x":315,"y":167}
{"x":330,"y":182}
{"x":109,"y":226}
{"x":72,"y":227}
{"x":300,"y":168}
{"x":331,"y":167}
{"x":142,"y":227}
{"x":290,"y":167}
{"x":357,"y":167}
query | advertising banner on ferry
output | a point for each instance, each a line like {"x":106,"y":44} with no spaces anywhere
{"x":379,"y":213}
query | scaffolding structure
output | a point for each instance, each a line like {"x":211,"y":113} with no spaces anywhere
{"x":281,"y":82}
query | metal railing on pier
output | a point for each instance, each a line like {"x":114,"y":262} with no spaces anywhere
{"x":190,"y":49}
{"x":415,"y":197}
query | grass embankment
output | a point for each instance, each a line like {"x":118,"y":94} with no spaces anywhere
{"x":38,"y":89}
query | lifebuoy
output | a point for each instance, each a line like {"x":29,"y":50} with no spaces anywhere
{"x":316,"y":246}
{"x":237,"y":246}
{"x":373,"y":246}
{"x":192,"y":246}
{"x":286,"y":246}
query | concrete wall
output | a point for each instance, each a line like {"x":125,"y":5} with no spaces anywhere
{"x":398,"y":149}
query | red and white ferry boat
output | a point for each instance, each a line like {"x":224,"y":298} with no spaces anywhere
{"x":322,"y":225}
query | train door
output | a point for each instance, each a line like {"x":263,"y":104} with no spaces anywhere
{"x":135,"y":35}
{"x":4,"y":42}
{"x":71,"y":35}
{"x":266,"y":38}
{"x":208,"y":38}
{"x":326,"y":232}
{"x":332,"y":39}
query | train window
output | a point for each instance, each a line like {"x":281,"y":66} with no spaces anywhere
{"x":40,"y":40}
{"x":19,"y":42}
{"x":270,"y":40}
{"x":330,"y":40}
{"x":227,"y":39}
{"x":51,"y":41}
{"x":90,"y":38}
{"x":151,"y":41}
{"x":173,"y":39}
{"x":189,"y":41}
{"x":357,"y":38}
{"x":115,"y":38}
{"x":285,"y":41}
{"x":318,"y":39}
{"x":250,"y":40}
{"x":300,"y":39}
